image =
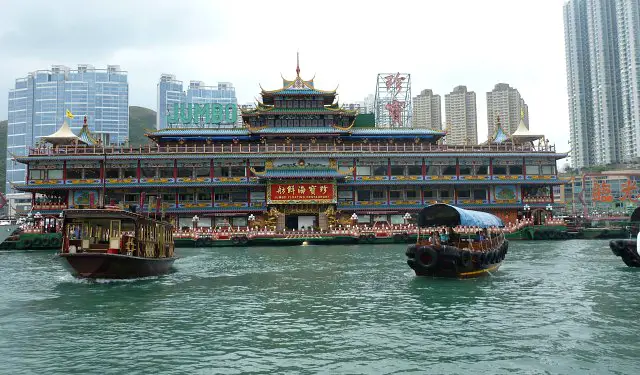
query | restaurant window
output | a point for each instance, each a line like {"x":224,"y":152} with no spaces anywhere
{"x":464,"y":194}
{"x":548,"y":169}
{"x":74,"y":173}
{"x":449,"y":170}
{"x":445,"y":194}
{"x":433,"y":170}
{"x":222,"y":197}
{"x":112,"y":173}
{"x":364,"y":195}
{"x":344,"y":195}
{"x":380,"y":170}
{"x":465,"y":170}
{"x":395,"y":194}
{"x":515,"y":169}
{"x":237,"y":171}
{"x":481,"y":170}
{"x":204,"y":197}
{"x":363,"y":170}
{"x":185,"y":172}
{"x":379,"y":195}
{"x":239,"y":221}
{"x":185,"y":197}
{"x":202,"y":172}
{"x":429,"y":194}
{"x":168,"y":197}
{"x":131,"y":198}
{"x":148,"y":172}
{"x":414,"y":170}
{"x":532,"y":169}
{"x":38,"y":174}
{"x":364,"y":219}
{"x":165,"y":172}
{"x":397,"y":170}
{"x":91,"y":173}
{"x":480,"y":194}
{"x":127,"y":173}
{"x":239,"y":196}
{"x":499,"y":170}
{"x":344,"y":166}
{"x":412,"y":194}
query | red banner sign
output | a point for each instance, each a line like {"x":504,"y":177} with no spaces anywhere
{"x":301,"y":193}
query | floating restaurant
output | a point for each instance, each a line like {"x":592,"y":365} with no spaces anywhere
{"x":299,"y":161}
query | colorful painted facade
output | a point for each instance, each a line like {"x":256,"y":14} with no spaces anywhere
{"x":299,"y":161}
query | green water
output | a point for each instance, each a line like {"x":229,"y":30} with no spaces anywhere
{"x":554,"y":307}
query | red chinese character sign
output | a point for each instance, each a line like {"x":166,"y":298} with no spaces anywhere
{"x":393,"y":108}
{"x":629,"y":190}
{"x":601,"y":192}
{"x":316,"y":192}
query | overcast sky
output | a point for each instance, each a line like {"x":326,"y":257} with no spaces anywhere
{"x":442,"y":44}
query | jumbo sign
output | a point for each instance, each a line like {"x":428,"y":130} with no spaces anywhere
{"x":203,"y":114}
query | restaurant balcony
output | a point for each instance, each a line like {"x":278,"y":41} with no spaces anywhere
{"x":260,"y":148}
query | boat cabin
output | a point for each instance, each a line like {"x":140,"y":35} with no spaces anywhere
{"x":116,"y":231}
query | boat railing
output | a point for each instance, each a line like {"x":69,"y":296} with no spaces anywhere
{"x":261,"y":148}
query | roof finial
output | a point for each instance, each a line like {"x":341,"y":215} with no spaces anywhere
{"x":85,"y":121}
{"x":298,"y":63}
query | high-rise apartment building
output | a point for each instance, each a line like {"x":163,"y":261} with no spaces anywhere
{"x":39,"y":101}
{"x":462,"y":117}
{"x":370,"y":104}
{"x":505,"y":104}
{"x":427,"y":110}
{"x":602,"y":59}
{"x":170,"y":92}
{"x":628,"y":24}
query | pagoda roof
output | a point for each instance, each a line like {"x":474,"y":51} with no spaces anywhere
{"x":86,"y":136}
{"x":297,"y":86}
{"x":301,"y":130}
{"x":286,"y":111}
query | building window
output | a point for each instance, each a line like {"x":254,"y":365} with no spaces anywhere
{"x":465,"y":170}
{"x":397,"y":170}
{"x":433,"y":170}
{"x":412,"y":194}
{"x":364,"y":195}
{"x":429,"y":194}
{"x":533,"y":169}
{"x":515,"y":169}
{"x":126,"y":173}
{"x":204,"y":197}
{"x":548,"y":169}
{"x":202,"y":172}
{"x":449,"y":171}
{"x":380,"y":170}
{"x":379,"y":195}
{"x":464,"y":194}
{"x":91,"y":173}
{"x":414,"y":170}
{"x":395,"y":194}
{"x":38,"y":174}
{"x":111,"y":173}
{"x":185,"y":172}
{"x":480,"y":194}
{"x":165,"y":172}
{"x":186,"y":197}
{"x":222,"y":197}
{"x":481,"y":170}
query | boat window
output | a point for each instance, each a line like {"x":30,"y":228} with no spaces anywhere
{"x":428,"y":193}
{"x":148,"y":172}
{"x":464,"y":193}
{"x":480,"y":194}
{"x":481,"y":170}
{"x":113,"y":173}
{"x":397,"y":170}
{"x":363,"y":170}
{"x":37,"y":174}
{"x":412,"y":194}
{"x":548,"y":169}
{"x":168,"y":197}
{"x":204,"y":197}
{"x":364,"y":195}
{"x":237,"y":171}
{"x":114,"y":228}
{"x":185,"y":172}
{"x":380,"y":170}
{"x":379,"y":195}
{"x":364,"y":219}
{"x":129,"y":173}
{"x":91,"y":173}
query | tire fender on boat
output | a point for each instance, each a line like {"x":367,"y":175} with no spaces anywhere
{"x":243,"y":240}
{"x":465,"y":258}
{"x":426,"y":250}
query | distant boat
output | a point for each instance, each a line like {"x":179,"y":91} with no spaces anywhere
{"x":111,"y":243}
{"x":7,"y":228}
{"x":462,"y":254}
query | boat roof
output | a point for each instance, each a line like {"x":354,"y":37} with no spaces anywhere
{"x":444,"y":214}
{"x":108,"y":213}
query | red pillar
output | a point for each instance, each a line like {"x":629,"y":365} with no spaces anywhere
{"x":213,"y":197}
{"x":458,"y":168}
{"x":175,"y":170}
{"x":64,"y":171}
{"x":355,"y":173}
{"x":177,"y":198}
{"x":211,"y":169}
{"x":389,"y":168}
{"x":138,"y":171}
{"x":424,"y":170}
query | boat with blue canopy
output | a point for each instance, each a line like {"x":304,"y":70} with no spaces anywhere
{"x":456,"y":242}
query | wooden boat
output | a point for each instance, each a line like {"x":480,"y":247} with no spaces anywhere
{"x":627,"y":250}
{"x":111,"y":243}
{"x":462,"y":255}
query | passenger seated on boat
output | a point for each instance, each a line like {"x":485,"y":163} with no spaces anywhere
{"x":444,"y":236}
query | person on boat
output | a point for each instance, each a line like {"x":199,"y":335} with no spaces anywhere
{"x":444,"y":236}
{"x":480,"y":236}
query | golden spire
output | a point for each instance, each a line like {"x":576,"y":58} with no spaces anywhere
{"x":298,"y":63}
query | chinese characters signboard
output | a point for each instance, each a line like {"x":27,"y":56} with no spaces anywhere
{"x":316,"y":192}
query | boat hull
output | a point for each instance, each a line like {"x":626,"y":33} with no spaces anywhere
{"x":447,"y":261}
{"x":114,"y":266}
{"x":627,"y":250}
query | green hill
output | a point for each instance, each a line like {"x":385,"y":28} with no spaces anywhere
{"x":140,"y":120}
{"x":3,"y":153}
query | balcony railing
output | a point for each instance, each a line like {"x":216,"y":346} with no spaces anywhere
{"x":258,"y":148}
